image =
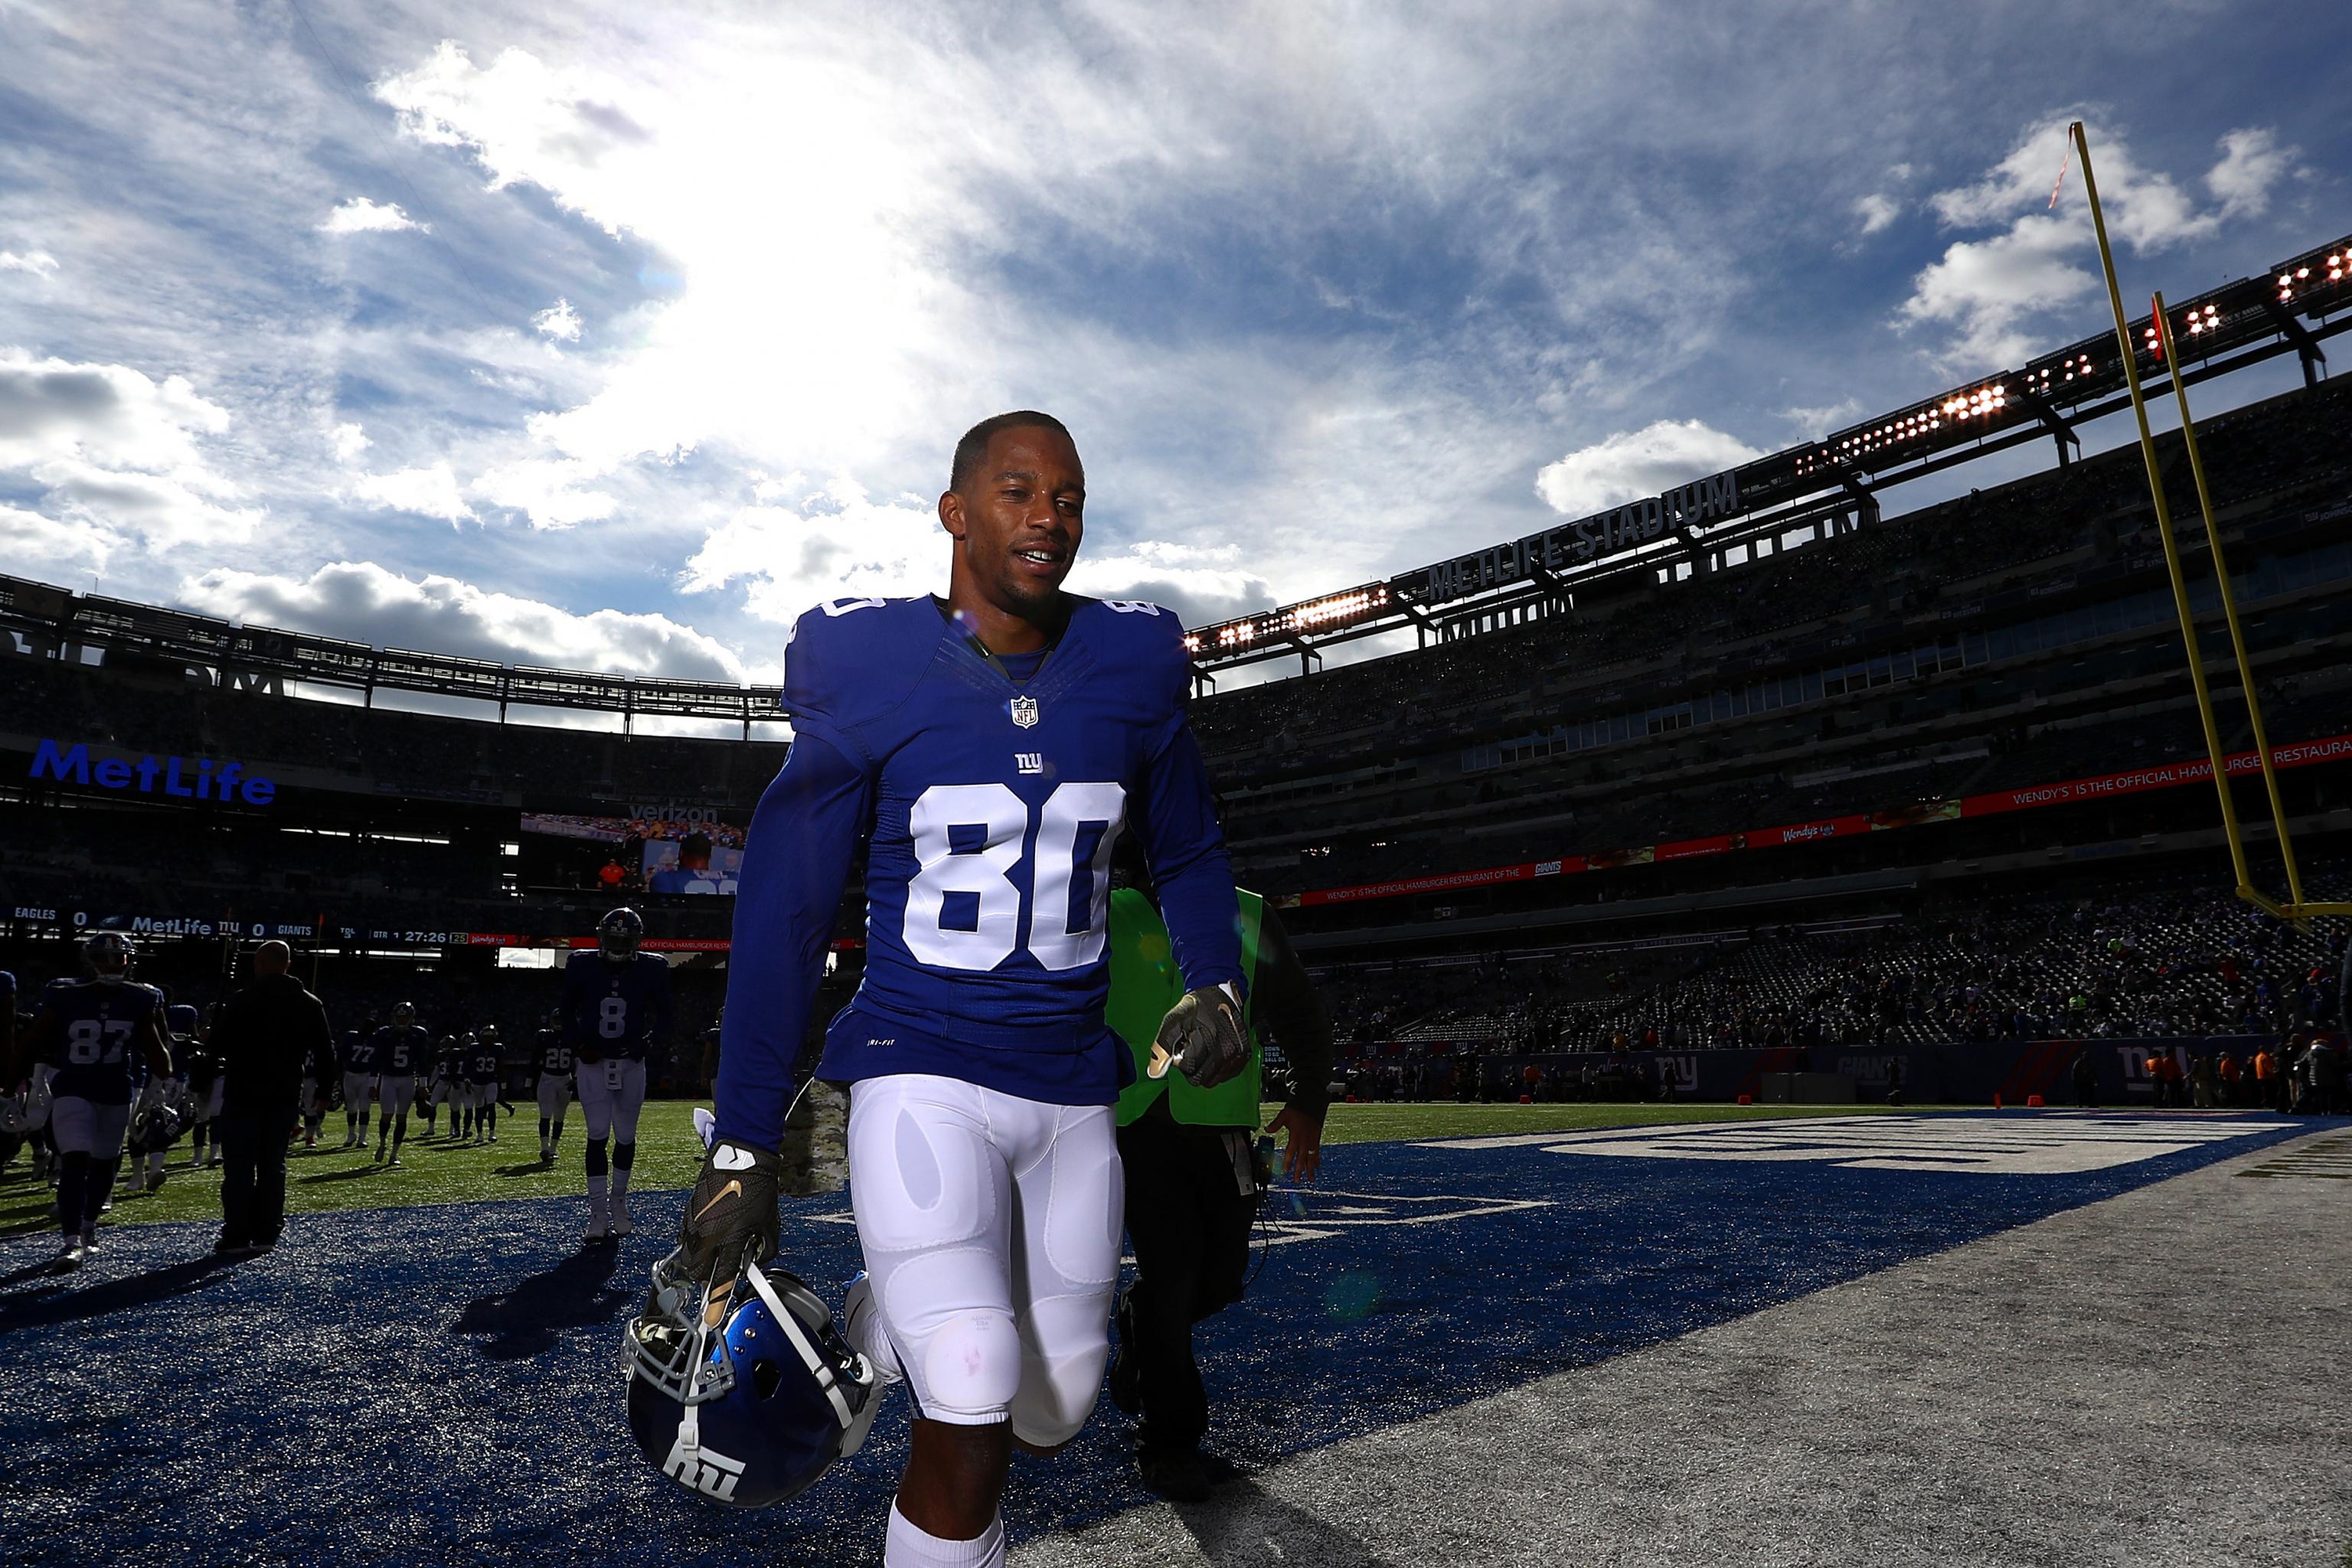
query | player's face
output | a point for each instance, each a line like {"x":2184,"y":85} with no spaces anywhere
{"x":1018,"y":525}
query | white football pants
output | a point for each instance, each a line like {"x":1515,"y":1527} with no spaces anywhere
{"x":357,"y":1088}
{"x":612,"y":1092}
{"x":554,"y":1094}
{"x":990,"y":1228}
{"x":397,"y":1094}
{"x":86,"y":1127}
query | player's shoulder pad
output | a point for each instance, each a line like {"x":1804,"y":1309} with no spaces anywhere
{"x":849,"y":660}
{"x":1137,"y":636}
{"x":580,"y":959}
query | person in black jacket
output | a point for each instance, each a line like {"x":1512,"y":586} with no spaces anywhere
{"x":267,"y":1039}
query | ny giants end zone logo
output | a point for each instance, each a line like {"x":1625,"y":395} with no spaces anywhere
{"x":708,"y":1472}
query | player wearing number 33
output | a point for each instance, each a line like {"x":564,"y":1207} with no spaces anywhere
{"x":994,"y":748}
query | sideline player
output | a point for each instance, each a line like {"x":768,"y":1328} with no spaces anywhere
{"x":995,"y":745}
{"x":82,"y":1044}
{"x":554,"y":1085}
{"x":616,"y":1008}
{"x":205,"y":1086}
{"x":400,"y":1048}
{"x":482,"y":1068}
{"x":358,"y":1052}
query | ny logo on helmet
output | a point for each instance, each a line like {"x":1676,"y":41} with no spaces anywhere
{"x":1024,"y":712}
{"x":708,"y":1472}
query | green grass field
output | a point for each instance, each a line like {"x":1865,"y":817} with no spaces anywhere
{"x":323,"y":1179}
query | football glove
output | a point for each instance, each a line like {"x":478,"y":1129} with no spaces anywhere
{"x":730,"y":1216}
{"x":1202,"y":1037}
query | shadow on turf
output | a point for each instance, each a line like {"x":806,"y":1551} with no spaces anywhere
{"x":40,"y":1309}
{"x":527,"y":1319}
{"x":353,"y":1174}
{"x":1240,"y":1524}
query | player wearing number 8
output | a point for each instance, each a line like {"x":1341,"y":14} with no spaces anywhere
{"x":616,"y":1006}
{"x":991,"y":749}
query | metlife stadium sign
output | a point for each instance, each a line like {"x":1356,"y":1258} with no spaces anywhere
{"x":173,"y":777}
{"x":1577,"y":543}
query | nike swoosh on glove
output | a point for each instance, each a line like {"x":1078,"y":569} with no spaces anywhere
{"x":730,"y":1216}
{"x":1202,"y":1037}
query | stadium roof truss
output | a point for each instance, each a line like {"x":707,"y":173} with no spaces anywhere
{"x":1830,"y":481}
{"x":51,"y":622}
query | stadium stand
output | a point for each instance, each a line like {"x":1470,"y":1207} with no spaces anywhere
{"x":1418,"y":813}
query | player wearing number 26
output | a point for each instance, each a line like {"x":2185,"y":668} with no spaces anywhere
{"x":992,"y":748}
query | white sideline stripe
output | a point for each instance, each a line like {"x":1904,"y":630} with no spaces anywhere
{"x":2043,"y":1145}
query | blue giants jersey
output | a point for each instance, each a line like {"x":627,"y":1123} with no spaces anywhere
{"x":482,"y":1065}
{"x":399,"y":1050}
{"x":555,"y":1052}
{"x":96,"y":1055}
{"x":992,"y":792}
{"x":614,"y":1009}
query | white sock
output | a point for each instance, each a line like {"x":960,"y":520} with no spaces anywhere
{"x":908,"y":1547}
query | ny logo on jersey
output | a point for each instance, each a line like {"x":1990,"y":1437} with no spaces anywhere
{"x":707,"y":1471}
{"x":1024,"y":712}
{"x":1029,"y":762}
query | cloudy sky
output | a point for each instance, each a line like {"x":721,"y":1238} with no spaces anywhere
{"x":615,"y":335}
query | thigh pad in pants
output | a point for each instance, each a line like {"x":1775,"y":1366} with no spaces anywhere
{"x":990,"y":1226}
{"x":612,"y":1092}
{"x":397,"y":1094}
{"x":85,"y":1127}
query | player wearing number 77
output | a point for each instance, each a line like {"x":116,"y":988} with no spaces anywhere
{"x":993,"y":746}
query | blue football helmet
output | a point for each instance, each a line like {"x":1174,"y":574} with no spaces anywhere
{"x":108,"y":955}
{"x":750,"y":1412}
{"x":618,"y":934}
{"x":154,"y":1127}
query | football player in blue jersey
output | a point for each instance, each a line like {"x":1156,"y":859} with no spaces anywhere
{"x":482,"y":1084}
{"x":206,"y":1090}
{"x":554,"y":1085}
{"x":89,"y":1043}
{"x":447,"y":1086}
{"x":992,"y":748}
{"x":401,"y":1048}
{"x":616,"y":1008}
{"x":358,"y":1050}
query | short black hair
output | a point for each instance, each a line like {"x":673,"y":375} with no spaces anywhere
{"x":973,"y":447}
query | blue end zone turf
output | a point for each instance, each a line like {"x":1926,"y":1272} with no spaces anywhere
{"x":443,"y":1384}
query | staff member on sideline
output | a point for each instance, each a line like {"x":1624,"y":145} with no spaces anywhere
{"x":1192,"y":1178}
{"x":268,"y":1037}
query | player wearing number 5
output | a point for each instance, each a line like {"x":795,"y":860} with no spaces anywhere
{"x":992,"y":748}
{"x":616,"y":1006}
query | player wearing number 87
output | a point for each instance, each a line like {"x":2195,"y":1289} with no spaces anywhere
{"x":992,"y":748}
{"x":86,"y":1043}
{"x":616,"y":1006}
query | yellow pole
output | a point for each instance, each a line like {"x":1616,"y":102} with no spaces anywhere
{"x":2163,"y":516}
{"x":2229,"y":607}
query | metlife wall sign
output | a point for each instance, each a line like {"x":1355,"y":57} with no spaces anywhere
{"x":175,"y":777}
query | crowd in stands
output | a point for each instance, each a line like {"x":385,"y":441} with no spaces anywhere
{"x":2155,"y":958}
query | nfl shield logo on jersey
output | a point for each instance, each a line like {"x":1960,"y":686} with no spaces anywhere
{"x":1024,"y":712}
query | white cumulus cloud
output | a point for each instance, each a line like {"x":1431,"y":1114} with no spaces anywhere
{"x":1877,"y":212}
{"x":802,"y":541}
{"x":364,"y":600}
{"x":53,"y":549}
{"x":39,"y":263}
{"x":360,"y":216}
{"x":560,"y":322}
{"x":1993,"y":296}
{"x":349,"y":440}
{"x":429,"y":491}
{"x":1632,"y":464}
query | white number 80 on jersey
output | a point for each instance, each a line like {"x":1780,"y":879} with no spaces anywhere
{"x":986,"y":872}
